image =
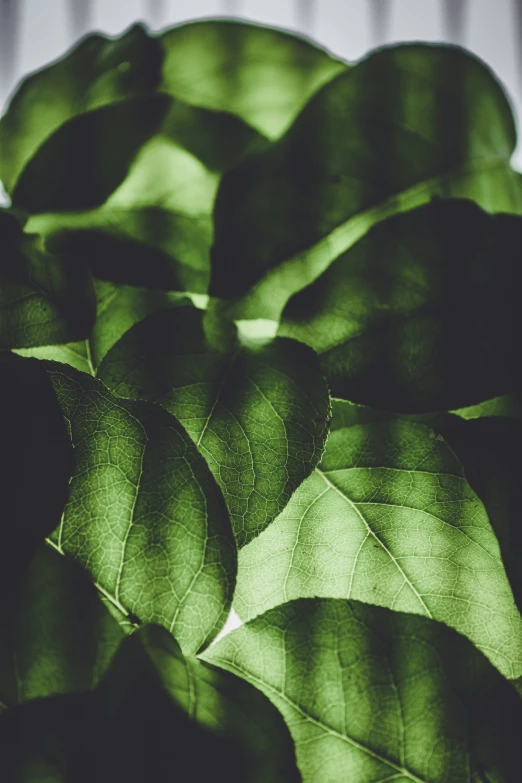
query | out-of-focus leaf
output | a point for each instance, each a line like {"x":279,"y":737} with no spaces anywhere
{"x":57,"y":635}
{"x":44,"y":298}
{"x":421,"y":314}
{"x":257,"y":411}
{"x":374,"y":695}
{"x":388,"y":518}
{"x":488,"y":447}
{"x":144,"y":516}
{"x":98,"y":73}
{"x":156,"y":228}
{"x":509,"y":405}
{"x":263,"y":75}
{"x":406,"y":124}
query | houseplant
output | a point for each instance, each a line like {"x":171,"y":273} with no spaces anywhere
{"x":259,"y":326}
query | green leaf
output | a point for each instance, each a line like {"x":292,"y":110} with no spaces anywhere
{"x":374,"y":695}
{"x":118,"y":308}
{"x":406,"y":124}
{"x":257,"y":411}
{"x":422,"y":314}
{"x":509,"y":405}
{"x":144,"y":516}
{"x":388,"y":518}
{"x":154,"y":714}
{"x":219,"y":705}
{"x":57,"y":636}
{"x":98,"y":72}
{"x":44,"y":298}
{"x":37,"y":463}
{"x":156,"y":228}
{"x":489,"y":450}
{"x":261,"y":74}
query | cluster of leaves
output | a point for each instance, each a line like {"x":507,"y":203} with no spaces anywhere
{"x":259,"y":321}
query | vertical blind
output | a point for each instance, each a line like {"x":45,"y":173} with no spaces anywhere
{"x":33,"y":32}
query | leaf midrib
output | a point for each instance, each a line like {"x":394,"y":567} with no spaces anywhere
{"x":262,"y":685}
{"x":371,"y":532}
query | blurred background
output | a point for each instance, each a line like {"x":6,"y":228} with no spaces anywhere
{"x":34,"y":32}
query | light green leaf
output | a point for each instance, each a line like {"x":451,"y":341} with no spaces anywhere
{"x":257,"y":411}
{"x":371,"y":695}
{"x":44,"y":298}
{"x":98,"y":72}
{"x":57,"y":636}
{"x":144,"y":516}
{"x":388,"y":518}
{"x":263,"y":75}
{"x":488,"y":448}
{"x":422,"y":314}
{"x":404,"y":125}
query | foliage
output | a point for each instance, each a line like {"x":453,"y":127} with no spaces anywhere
{"x":259,"y":332}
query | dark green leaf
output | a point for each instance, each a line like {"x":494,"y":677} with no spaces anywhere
{"x":374,"y":695}
{"x":144,"y":516}
{"x":37,"y":463}
{"x":98,"y":72}
{"x":44,"y":298}
{"x":257,"y":411}
{"x":407,"y":124}
{"x":57,"y":636}
{"x":488,"y":448}
{"x":155,"y":716}
{"x":388,"y":518}
{"x":422,"y":314}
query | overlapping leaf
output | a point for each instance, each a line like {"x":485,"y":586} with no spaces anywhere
{"x":118,"y":308}
{"x":374,"y":695}
{"x":257,"y":411}
{"x":132,"y":167}
{"x":144,"y":516}
{"x":388,"y":518}
{"x":57,"y":635}
{"x":44,"y":298}
{"x":422,"y":314}
{"x":404,"y":125}
{"x":37,"y":463}
{"x":154,"y":714}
